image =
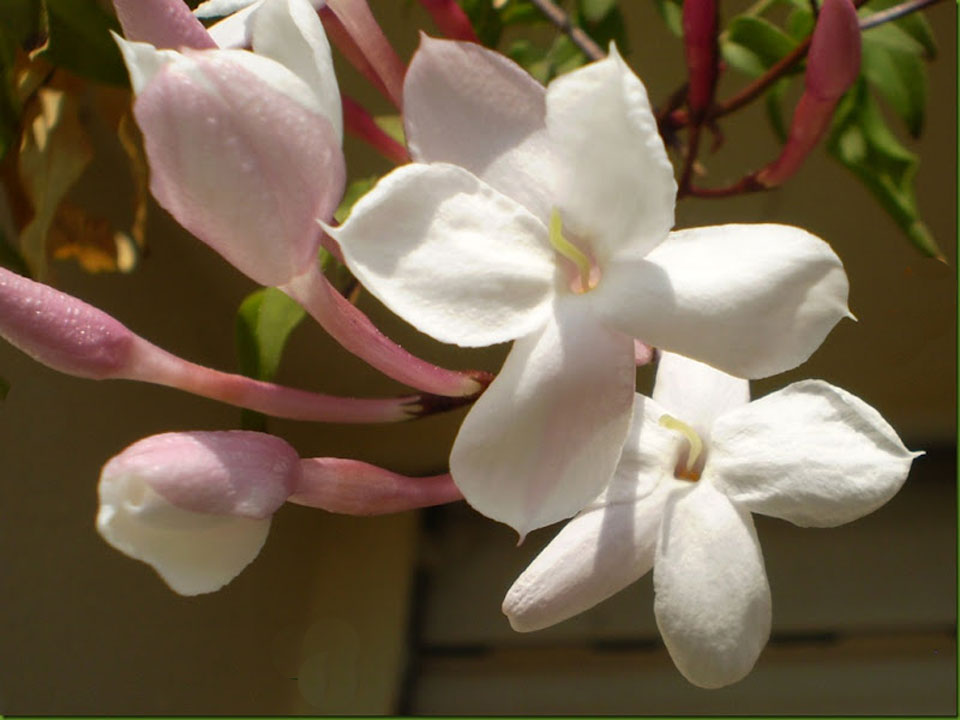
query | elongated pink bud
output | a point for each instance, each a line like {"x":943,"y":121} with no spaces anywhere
{"x":833,"y":61}
{"x":359,"y":123}
{"x":700,"y":20}
{"x":195,"y":506}
{"x":375,"y":52}
{"x":833,"y":64}
{"x":450,"y":19}
{"x":162,"y":23}
{"x":352,"y":487}
{"x":61,"y":331}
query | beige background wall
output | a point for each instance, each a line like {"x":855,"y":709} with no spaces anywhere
{"x":318,"y":623}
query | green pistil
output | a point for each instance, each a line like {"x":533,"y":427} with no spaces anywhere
{"x":696,"y":444}
{"x":570,"y":251}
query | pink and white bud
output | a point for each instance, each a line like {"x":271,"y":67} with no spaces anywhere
{"x":62,"y":331}
{"x":351,"y":487}
{"x":196,"y":506}
{"x":162,"y":23}
{"x":242,"y":153}
{"x":833,"y":64}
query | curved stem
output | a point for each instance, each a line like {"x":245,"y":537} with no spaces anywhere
{"x":351,"y":487}
{"x":352,"y":329}
{"x":558,"y":17}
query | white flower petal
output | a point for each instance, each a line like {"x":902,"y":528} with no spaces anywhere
{"x":143,"y":61}
{"x":751,"y":300}
{"x":469,"y":106}
{"x":545,"y":437}
{"x":695,"y":393}
{"x":193,"y":552}
{"x":220,"y":8}
{"x":712,"y":598}
{"x":242,"y":156}
{"x":596,"y":555}
{"x":235,"y":30}
{"x":810,"y":453}
{"x":614,"y":185}
{"x":290,"y":32}
{"x":451,"y":255}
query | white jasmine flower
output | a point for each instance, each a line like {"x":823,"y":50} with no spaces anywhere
{"x":543,"y":215}
{"x":699,"y":460}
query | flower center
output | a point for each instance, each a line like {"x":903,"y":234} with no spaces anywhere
{"x":588,"y":278}
{"x":689,"y":470}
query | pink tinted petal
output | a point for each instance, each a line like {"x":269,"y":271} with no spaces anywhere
{"x":695,"y":393}
{"x":351,"y":487}
{"x":62,"y":331}
{"x":239,"y":163}
{"x":545,"y":437}
{"x":162,"y":23}
{"x":236,"y":472}
{"x":469,"y":106}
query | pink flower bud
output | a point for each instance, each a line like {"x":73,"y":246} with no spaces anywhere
{"x":833,"y":61}
{"x":195,"y":506}
{"x":700,"y":49}
{"x":162,"y":23}
{"x":833,"y":64}
{"x":62,"y":331}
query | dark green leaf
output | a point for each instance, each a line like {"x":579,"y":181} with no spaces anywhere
{"x":892,"y":62}
{"x":79,"y":40}
{"x":610,"y":27}
{"x":20,"y":22}
{"x":672,"y":13}
{"x":521,"y":12}
{"x":485,"y":20}
{"x":861,"y":141}
{"x":762,"y":38}
{"x":355,"y":190}
{"x":4,"y":389}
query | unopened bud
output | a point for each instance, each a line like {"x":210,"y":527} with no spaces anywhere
{"x":195,"y":506}
{"x":700,"y":48}
{"x":62,"y":331}
{"x":833,"y":61}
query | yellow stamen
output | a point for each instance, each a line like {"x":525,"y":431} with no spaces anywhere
{"x":570,"y":251}
{"x":696,"y":444}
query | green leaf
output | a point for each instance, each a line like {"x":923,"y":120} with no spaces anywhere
{"x":485,"y":20}
{"x":861,"y":141}
{"x":892,"y":61}
{"x":742,"y":59}
{"x":392,"y":125}
{"x":79,"y":40}
{"x":355,"y":190}
{"x":672,"y":13}
{"x":608,"y":27}
{"x":594,"y":11}
{"x":20,"y":22}
{"x":761,"y":37}
{"x":4,"y":389}
{"x":521,"y":12}
{"x":264,"y":322}
{"x":800,"y":22}
{"x":914,"y":24}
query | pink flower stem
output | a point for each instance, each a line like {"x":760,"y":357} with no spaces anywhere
{"x":351,"y":487}
{"x":450,"y":19}
{"x":359,"y":123}
{"x":362,"y":41}
{"x":75,"y":338}
{"x":354,"y":331}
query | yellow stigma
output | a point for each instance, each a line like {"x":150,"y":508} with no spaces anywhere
{"x":696,"y":444}
{"x":570,"y":251}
